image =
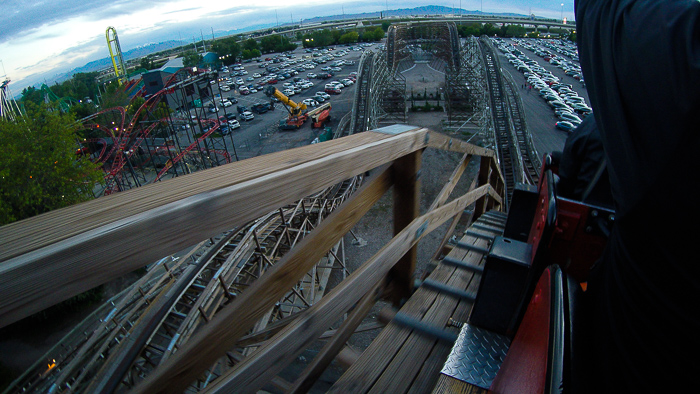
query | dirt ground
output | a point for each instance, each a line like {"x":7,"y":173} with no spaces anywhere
{"x":22,"y":345}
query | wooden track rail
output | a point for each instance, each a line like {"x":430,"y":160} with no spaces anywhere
{"x":51,"y":257}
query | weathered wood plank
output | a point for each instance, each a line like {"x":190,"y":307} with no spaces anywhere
{"x":451,"y":182}
{"x":444,"y":142}
{"x":239,"y":316}
{"x":21,"y":237}
{"x":449,"y":385}
{"x":171,"y":219}
{"x":328,"y":352}
{"x":406,"y":208}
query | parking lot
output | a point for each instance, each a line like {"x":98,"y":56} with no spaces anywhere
{"x":261,"y":134}
{"x":540,"y":116}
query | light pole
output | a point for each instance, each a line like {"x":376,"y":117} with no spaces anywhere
{"x":562,"y":12}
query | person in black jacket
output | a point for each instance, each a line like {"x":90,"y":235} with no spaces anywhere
{"x":582,"y":167}
{"x":641,"y":62}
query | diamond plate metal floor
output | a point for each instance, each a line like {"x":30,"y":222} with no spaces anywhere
{"x":476,"y":356}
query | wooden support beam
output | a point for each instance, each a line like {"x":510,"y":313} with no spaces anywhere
{"x":452,"y":182}
{"x":406,"y":172}
{"x":275,"y":354}
{"x":314,"y":370}
{"x":444,"y":142}
{"x":451,"y":229}
{"x":483,"y":178}
{"x":240,"y":315}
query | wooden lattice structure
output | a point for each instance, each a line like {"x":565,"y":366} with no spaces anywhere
{"x":51,"y":257}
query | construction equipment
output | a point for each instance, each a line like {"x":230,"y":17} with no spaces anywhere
{"x":296,"y":115}
{"x":319,"y":116}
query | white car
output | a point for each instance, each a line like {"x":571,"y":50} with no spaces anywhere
{"x":346,"y":82}
{"x":226,"y":103}
{"x":311,"y":75}
{"x":225,"y":88}
{"x":289,"y":92}
{"x":325,"y":95}
{"x":233,"y":124}
{"x":214,"y":109}
{"x":247,"y":115}
{"x":257,"y":75}
{"x":310,"y":102}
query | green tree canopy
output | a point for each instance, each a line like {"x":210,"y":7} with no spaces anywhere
{"x":250,"y":44}
{"x":39,"y":168}
{"x":276,"y":43}
{"x":349,"y":38}
{"x":191,"y":59}
{"x":227,"y":48}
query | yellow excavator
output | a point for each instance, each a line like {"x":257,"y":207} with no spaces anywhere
{"x":296,"y":115}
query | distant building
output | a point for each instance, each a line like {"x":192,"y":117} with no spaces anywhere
{"x":210,"y":60}
{"x":187,"y":90}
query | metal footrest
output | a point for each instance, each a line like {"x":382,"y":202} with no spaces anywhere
{"x":424,"y":328}
{"x":463,"y":265}
{"x":448,"y":290}
{"x":476,"y":356}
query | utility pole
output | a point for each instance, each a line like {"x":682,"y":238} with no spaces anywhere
{"x":204,"y":47}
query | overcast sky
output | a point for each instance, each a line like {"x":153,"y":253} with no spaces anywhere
{"x":42,"y":38}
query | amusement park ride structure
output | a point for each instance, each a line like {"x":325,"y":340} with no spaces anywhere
{"x":115,"y":54}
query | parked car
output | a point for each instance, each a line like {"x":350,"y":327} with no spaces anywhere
{"x":233,"y":124}
{"x":564,"y":125}
{"x":569,"y":117}
{"x":310,"y":102}
{"x":260,"y":108}
{"x":214,"y":109}
{"x":325,"y":95}
{"x":247,"y":115}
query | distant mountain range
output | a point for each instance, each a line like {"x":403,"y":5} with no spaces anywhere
{"x":406,"y":12}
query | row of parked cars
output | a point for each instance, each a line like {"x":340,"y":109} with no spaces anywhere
{"x":567,"y":105}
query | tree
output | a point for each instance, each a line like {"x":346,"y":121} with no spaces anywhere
{"x":146,"y":63}
{"x":514,"y":31}
{"x":39,"y":167}
{"x":251,"y":53}
{"x":349,"y":38}
{"x":191,"y":59}
{"x":250,"y":44}
{"x":227,"y":49}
